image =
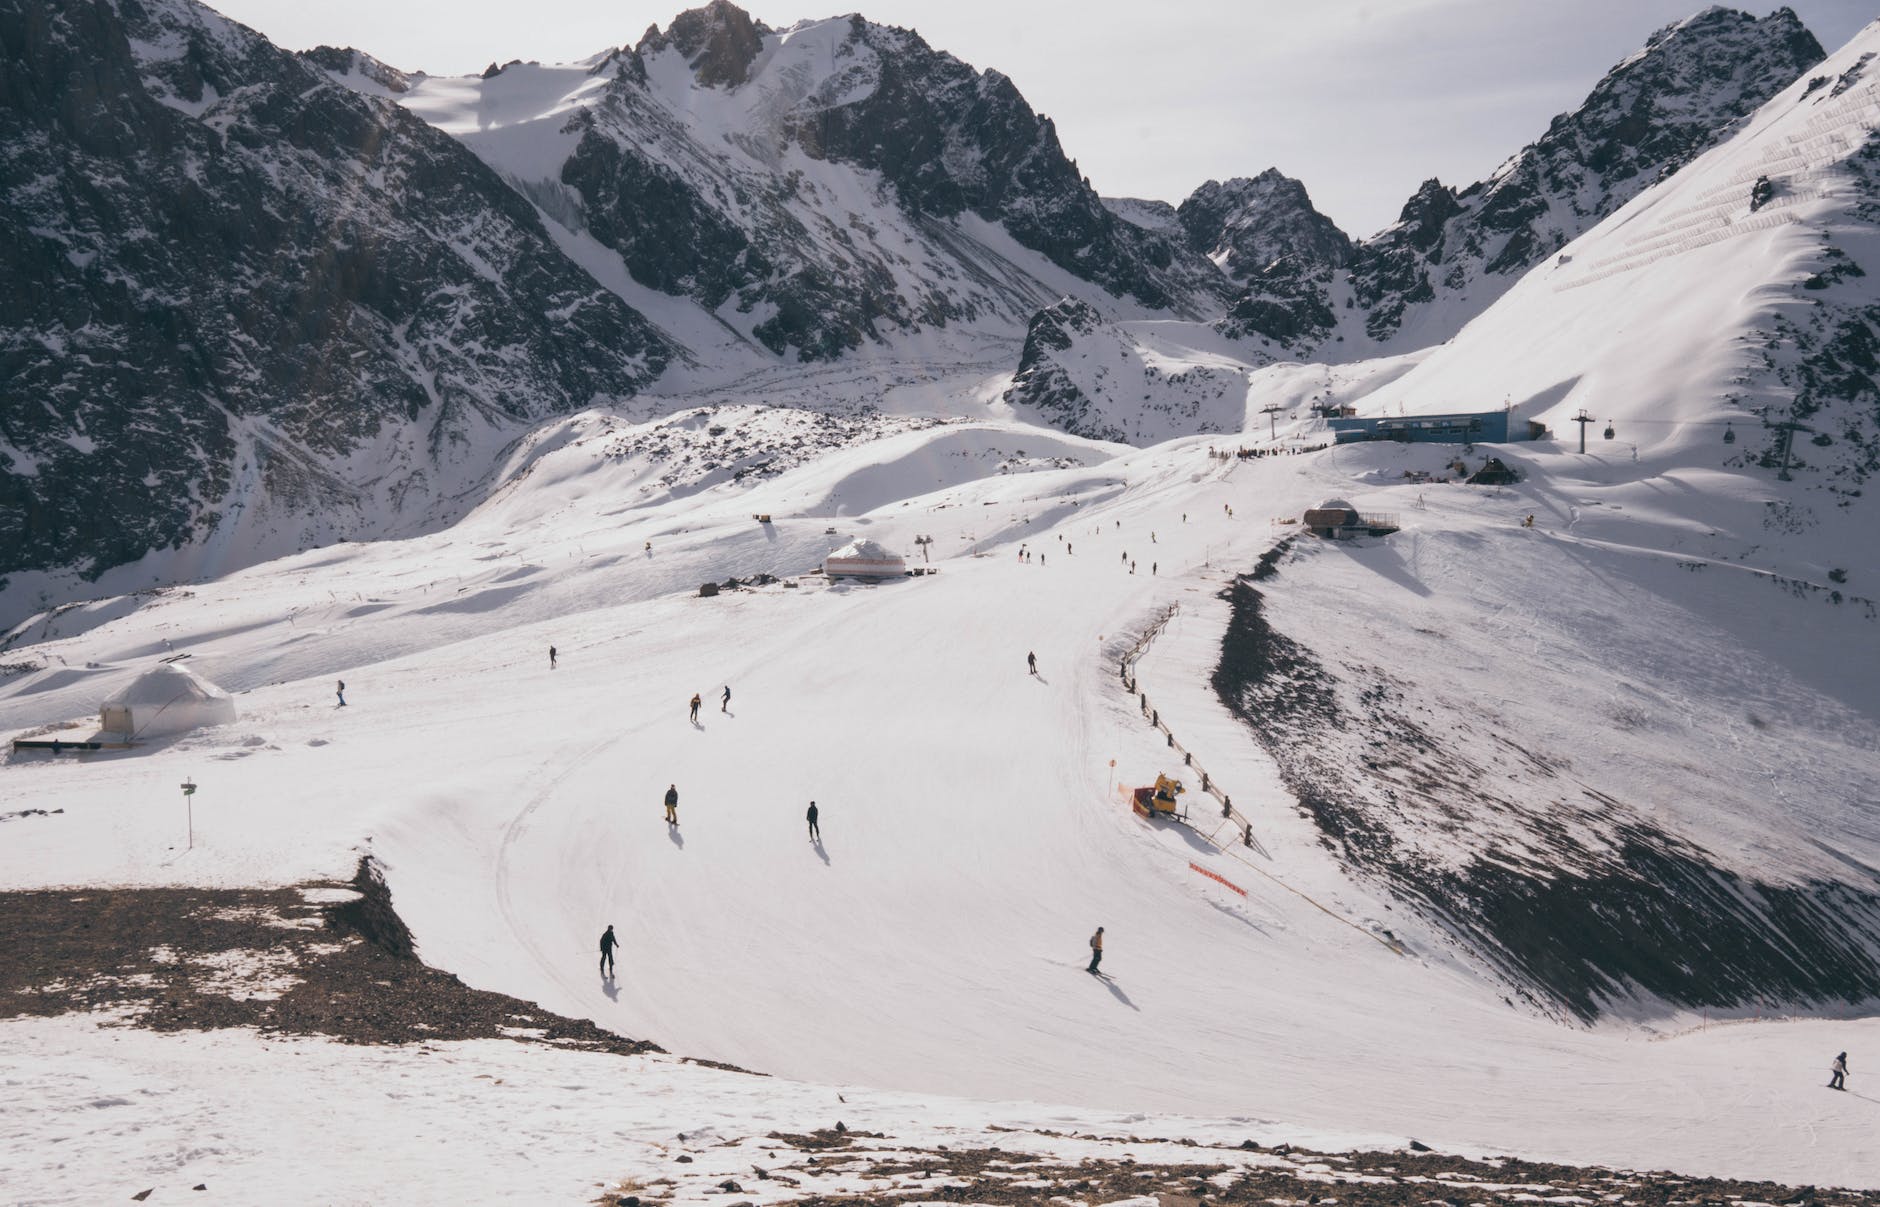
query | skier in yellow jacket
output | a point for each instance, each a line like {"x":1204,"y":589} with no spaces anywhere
{"x":1096,"y":950}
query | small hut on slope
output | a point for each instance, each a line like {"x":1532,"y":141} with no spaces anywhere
{"x":164,"y":700}
{"x":862,"y":558}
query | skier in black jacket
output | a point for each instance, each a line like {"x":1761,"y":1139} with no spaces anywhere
{"x":672,"y":805}
{"x":608,"y":943}
{"x":815,"y":831}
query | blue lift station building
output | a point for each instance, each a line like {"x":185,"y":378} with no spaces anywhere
{"x":1480,"y":427}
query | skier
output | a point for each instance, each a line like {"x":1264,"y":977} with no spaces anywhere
{"x":1096,"y":950}
{"x":608,"y":943}
{"x":551,"y":657}
{"x":342,"y":693}
{"x":672,"y":804}
{"x":696,"y":701}
{"x":1153,"y":566}
{"x":724,"y":705}
{"x":815,"y":831}
{"x":1838,"y":1081}
{"x":1031,"y":660}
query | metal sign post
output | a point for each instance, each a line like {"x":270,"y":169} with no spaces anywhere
{"x":189,"y":792}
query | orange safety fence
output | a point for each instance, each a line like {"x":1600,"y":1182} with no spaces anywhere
{"x":1217,"y":876}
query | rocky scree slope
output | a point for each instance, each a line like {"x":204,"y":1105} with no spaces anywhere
{"x":234,"y":285}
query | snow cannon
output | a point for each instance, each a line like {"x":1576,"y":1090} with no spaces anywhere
{"x":1160,"y":799}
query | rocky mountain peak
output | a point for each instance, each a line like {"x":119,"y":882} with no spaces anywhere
{"x":340,"y":61}
{"x":720,"y":41}
{"x":1451,"y":254}
{"x":1245,"y":224}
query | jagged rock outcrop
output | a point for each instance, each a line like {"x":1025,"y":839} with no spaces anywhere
{"x":235,"y":288}
{"x":836,"y":184}
{"x":1246,"y":224}
{"x":1453,"y":253}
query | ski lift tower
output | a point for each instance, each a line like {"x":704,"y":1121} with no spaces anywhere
{"x":1272,"y":424}
{"x":1582,"y":419}
{"x":1785,"y":440}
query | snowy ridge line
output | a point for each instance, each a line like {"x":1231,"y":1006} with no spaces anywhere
{"x":1228,"y":812}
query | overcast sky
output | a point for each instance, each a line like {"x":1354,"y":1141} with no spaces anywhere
{"x":1360,"y":99}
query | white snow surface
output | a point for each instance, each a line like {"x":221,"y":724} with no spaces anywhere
{"x":929,"y":951}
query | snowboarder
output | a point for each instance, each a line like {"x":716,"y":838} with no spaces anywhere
{"x":1096,"y":950}
{"x":1031,"y":660}
{"x":696,"y":701}
{"x":724,"y":705}
{"x":1838,"y":1079}
{"x":608,"y":943}
{"x":672,"y":804}
{"x":342,"y":693}
{"x":551,"y":657}
{"x":815,"y":831}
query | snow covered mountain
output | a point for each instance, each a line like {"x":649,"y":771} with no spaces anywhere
{"x":247,"y":309}
{"x":1721,"y":330}
{"x":816,"y":189}
{"x":1451,"y":254}
{"x":1306,"y":292}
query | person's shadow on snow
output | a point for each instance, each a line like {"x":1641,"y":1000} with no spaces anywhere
{"x":678,"y":839}
{"x":698,"y":724}
{"x":1116,"y":990}
{"x":610,"y":987}
{"x":1039,"y":676}
{"x":821,"y":854}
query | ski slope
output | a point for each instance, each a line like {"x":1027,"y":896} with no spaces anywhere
{"x":1654,"y":628}
{"x":972,"y":835}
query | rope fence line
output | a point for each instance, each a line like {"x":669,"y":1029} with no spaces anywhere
{"x":1229,"y":814}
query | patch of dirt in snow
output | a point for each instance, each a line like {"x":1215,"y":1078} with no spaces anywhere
{"x":838,"y":1166}
{"x":329,"y":959}
{"x":1576,"y":898}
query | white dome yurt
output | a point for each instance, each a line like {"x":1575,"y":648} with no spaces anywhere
{"x":862,"y":558}
{"x":164,"y":700}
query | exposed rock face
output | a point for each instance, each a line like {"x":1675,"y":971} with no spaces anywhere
{"x":228,"y":278}
{"x":703,"y":179}
{"x":1244,"y":225}
{"x":1452,"y":254}
{"x":1043,"y":383}
{"x":1285,"y":302}
{"x":719,"y":41}
{"x":1092,"y":377}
